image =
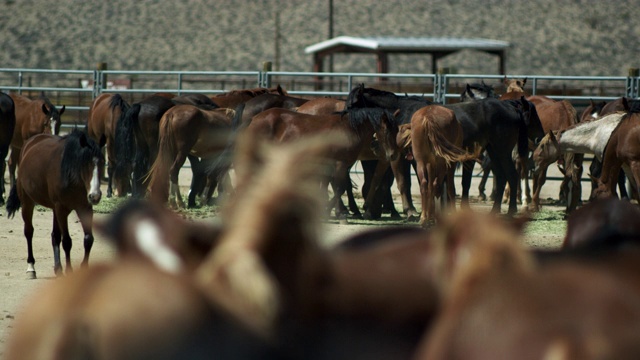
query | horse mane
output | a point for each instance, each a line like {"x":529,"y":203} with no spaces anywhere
{"x":79,"y":150}
{"x":358,"y":116}
{"x":253,"y":92}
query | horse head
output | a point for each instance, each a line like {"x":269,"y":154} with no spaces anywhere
{"x":355,"y":99}
{"x":53,"y":116}
{"x":477,"y":91}
{"x":514,"y":85}
{"x":386,"y":134}
{"x":82,"y":163}
{"x":547,"y":151}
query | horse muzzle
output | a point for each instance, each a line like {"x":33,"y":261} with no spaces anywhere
{"x":94,"y":197}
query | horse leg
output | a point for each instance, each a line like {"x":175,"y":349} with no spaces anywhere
{"x":2,"y":168}
{"x":198,"y":180}
{"x":60,"y":217}
{"x":27,"y":217}
{"x":483,"y":185}
{"x":110,"y":171}
{"x":341,"y":176}
{"x":56,"y":239}
{"x":401,"y":168}
{"x":175,"y":198}
{"x":13,"y":164}
{"x":423,"y":178}
{"x":451,"y":188}
{"x":622,"y":185}
{"x":86,"y":221}
{"x":378,"y":175}
{"x":467,"y":172}
{"x":539,"y":178}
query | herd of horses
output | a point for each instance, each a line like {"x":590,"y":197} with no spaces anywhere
{"x":260,"y":284}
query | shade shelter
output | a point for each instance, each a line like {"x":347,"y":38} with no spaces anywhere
{"x":437,"y":47}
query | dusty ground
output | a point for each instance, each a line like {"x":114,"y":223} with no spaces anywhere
{"x":14,"y":286}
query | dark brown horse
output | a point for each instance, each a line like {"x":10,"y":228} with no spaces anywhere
{"x":63,"y":174}
{"x":7,"y":126}
{"x":622,"y":152}
{"x":33,"y":117}
{"x":563,"y":309}
{"x":264,"y":102}
{"x":282,"y":125}
{"x":104,"y":114}
{"x":186,"y":130}
{"x":137,"y":138}
{"x":436,"y":138}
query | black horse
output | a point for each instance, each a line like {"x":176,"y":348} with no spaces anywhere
{"x":403,"y":108}
{"x":7,"y":126}
{"x":495,"y":125}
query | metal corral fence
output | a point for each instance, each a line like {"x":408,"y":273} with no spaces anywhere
{"x":77,"y":88}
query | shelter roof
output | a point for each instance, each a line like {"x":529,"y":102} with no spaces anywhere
{"x":409,"y":44}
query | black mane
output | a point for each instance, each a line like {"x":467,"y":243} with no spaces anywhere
{"x":79,"y":151}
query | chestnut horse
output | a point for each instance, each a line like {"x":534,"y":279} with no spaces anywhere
{"x":282,"y":125}
{"x":186,"y":130}
{"x":104,"y":114}
{"x":436,"y":137}
{"x":63,"y":174}
{"x":622,"y":152}
{"x":7,"y":125}
{"x":33,"y":117}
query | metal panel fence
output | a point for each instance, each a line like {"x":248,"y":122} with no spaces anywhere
{"x":77,"y":88}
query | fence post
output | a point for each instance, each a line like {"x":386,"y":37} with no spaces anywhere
{"x":440,"y":87}
{"x":100,"y":79}
{"x":265,"y":78}
{"x":632,"y":88}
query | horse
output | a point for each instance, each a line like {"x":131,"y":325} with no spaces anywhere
{"x":622,"y":152}
{"x":7,"y":126}
{"x":33,"y":117}
{"x":477,"y":91}
{"x":403,"y":108}
{"x":282,"y":125}
{"x":104,"y":114}
{"x":234,"y":98}
{"x":559,"y":309}
{"x":554,"y":115}
{"x":137,"y":138}
{"x":590,"y":137}
{"x":186,"y":130}
{"x":96,"y":313}
{"x":63,"y":174}
{"x":601,"y":221}
{"x":321,"y":106}
{"x":592,"y":111}
{"x":436,"y":142}
{"x":264,"y":102}
{"x":595,"y":168}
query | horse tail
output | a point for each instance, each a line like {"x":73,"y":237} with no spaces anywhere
{"x":125,"y":136}
{"x":117,"y":102}
{"x":523,"y":140}
{"x":158,"y":174}
{"x":13,"y":202}
{"x":443,"y":147}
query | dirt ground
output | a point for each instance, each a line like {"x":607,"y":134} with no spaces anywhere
{"x":14,"y":286}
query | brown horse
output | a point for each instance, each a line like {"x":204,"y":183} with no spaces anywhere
{"x":622,"y":152}
{"x":282,"y":125}
{"x":7,"y":126}
{"x":564,"y":309}
{"x":232,"y":99}
{"x":63,"y":174}
{"x":33,"y":117}
{"x":436,"y":138}
{"x":104,"y":114}
{"x":186,"y":130}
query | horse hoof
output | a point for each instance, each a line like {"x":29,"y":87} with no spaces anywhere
{"x":31,"y":275}
{"x":395,"y":216}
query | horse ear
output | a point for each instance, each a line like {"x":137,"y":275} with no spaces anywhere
{"x":504,"y":80}
{"x":524,"y":82}
{"x":45,"y":110}
{"x":625,"y":104}
{"x":592,"y":103}
{"x":469,"y":92}
{"x":62,"y":110}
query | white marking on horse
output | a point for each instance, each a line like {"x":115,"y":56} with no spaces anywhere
{"x":149,"y":239}
{"x":94,"y":190}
